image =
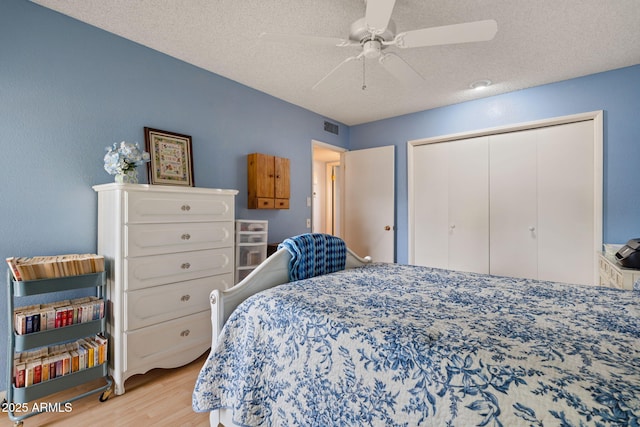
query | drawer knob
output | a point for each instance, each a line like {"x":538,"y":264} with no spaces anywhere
{"x":185,"y":333}
{"x":185,"y":266}
{"x":185,"y":298}
{"x":185,"y":208}
{"x":185,"y":236}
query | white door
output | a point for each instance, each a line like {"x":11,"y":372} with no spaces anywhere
{"x":368,"y":204}
{"x":513,"y":205}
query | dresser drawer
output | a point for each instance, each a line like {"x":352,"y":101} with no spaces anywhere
{"x":154,"y":239}
{"x":154,"y":270}
{"x":168,"y":344}
{"x":177,"y":207}
{"x":149,"y":306}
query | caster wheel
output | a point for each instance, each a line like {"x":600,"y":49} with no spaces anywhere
{"x":105,"y":395}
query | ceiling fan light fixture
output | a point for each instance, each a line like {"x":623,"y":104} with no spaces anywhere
{"x":371,"y":49}
{"x":480,"y":84}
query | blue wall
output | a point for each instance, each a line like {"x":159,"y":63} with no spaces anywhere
{"x":67,"y":90}
{"x":616,"y":92}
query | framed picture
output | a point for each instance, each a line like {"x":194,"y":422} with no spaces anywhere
{"x":171,"y":158}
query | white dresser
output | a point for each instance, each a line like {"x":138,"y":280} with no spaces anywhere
{"x":166,"y":248}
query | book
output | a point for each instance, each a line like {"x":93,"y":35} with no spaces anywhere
{"x":37,"y":371}
{"x":20,"y":375}
{"x":66,"y":363}
{"x":45,"y":369}
{"x":47,"y":363}
{"x":28,"y":381}
{"x":59,"y":365}
{"x":75,"y":361}
{"x":52,"y":367}
{"x":42,"y":317}
{"x":36,"y":322}
{"x":48,"y":267}
{"x":82,"y":358}
{"x":14,"y":268}
{"x":102,"y":342}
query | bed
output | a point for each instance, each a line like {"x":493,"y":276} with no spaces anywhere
{"x":397,"y":345}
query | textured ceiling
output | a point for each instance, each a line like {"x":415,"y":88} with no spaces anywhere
{"x":538,"y":42}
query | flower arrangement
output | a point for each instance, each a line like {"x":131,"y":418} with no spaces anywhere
{"x":123,"y":158}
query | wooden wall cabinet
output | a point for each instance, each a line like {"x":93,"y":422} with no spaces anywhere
{"x":267,"y":181}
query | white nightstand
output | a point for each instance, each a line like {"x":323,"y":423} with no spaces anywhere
{"x":613,"y":275}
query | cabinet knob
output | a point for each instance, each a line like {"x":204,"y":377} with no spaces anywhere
{"x":185,"y":266}
{"x":452,"y":226}
{"x":185,"y":236}
{"x":185,"y":298}
{"x":532,"y":228}
{"x":185,"y":208}
{"x":387,"y":227}
{"x":185,"y":333}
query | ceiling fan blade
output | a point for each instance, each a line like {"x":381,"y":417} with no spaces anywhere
{"x":378,"y":15}
{"x":351,"y":58}
{"x":399,"y":69}
{"x":477,"y":31}
{"x":310,"y":40}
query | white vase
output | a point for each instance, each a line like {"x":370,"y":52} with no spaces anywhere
{"x":128,"y":177}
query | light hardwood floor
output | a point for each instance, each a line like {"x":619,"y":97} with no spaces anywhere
{"x":161,"y":397}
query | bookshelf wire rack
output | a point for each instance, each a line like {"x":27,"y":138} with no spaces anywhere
{"x":17,"y":397}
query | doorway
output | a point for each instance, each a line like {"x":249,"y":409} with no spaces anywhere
{"x":354,"y":197}
{"x":326,"y":179}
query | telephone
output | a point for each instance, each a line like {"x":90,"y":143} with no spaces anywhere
{"x":629,"y":255}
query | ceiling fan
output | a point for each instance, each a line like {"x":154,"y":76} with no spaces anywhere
{"x":376,"y":31}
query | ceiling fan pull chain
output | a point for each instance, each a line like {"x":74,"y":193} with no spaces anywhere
{"x":364,"y":84}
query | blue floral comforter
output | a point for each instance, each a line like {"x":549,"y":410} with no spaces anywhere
{"x":398,"y":345}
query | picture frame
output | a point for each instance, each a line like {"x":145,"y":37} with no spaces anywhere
{"x":171,"y":160}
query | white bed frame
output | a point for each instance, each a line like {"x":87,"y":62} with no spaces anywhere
{"x":272,"y":272}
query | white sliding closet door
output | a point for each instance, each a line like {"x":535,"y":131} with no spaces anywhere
{"x":520,"y":201}
{"x":469,"y":205}
{"x":566,"y":203}
{"x":431,"y":205}
{"x":451,"y":214}
{"x":542,"y":203}
{"x":513,"y":205}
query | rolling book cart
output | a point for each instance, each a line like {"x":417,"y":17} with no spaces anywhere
{"x":18,"y":397}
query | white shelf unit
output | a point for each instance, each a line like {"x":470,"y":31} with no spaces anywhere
{"x":251,"y":246}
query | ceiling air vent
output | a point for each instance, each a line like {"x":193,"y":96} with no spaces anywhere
{"x":331,"y":127}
